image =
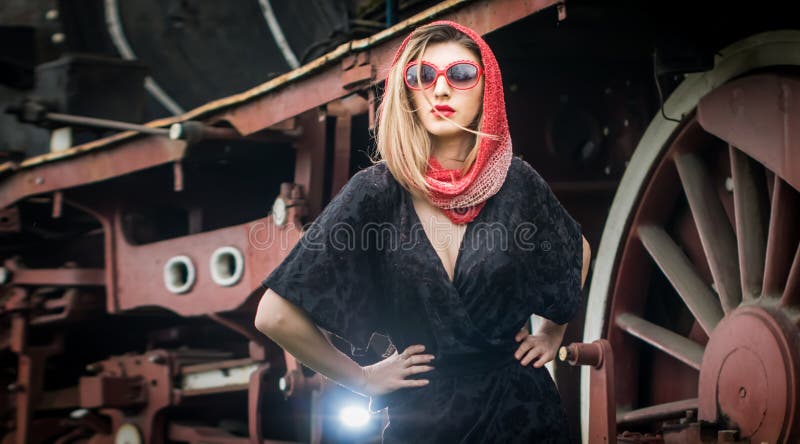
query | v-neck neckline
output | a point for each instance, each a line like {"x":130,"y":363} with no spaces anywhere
{"x":429,"y":244}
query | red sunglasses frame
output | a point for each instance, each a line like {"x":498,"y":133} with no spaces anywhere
{"x":442,"y":72}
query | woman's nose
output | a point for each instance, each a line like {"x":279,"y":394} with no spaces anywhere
{"x":441,"y":88}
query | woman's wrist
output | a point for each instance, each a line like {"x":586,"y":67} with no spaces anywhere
{"x":549,"y":327}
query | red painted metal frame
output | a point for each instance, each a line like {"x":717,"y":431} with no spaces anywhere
{"x":290,"y":95}
{"x":602,"y":407}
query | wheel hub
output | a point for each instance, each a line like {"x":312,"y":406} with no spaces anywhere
{"x":749,"y":373}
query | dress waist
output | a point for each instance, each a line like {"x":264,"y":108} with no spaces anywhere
{"x":466,"y":364}
{"x":449,"y":366}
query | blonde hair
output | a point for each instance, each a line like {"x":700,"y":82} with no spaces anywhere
{"x":402,"y":142}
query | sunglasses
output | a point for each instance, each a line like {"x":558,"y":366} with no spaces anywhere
{"x":461,"y":74}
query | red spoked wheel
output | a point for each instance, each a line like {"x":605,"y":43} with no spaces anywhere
{"x":697,"y":280}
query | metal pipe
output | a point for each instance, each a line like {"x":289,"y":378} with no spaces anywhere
{"x":104,"y":123}
{"x":659,"y":412}
{"x":391,"y":12}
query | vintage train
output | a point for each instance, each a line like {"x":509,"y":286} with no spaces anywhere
{"x":132,"y":254}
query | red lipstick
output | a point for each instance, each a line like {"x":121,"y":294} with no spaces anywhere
{"x":444,"y":110}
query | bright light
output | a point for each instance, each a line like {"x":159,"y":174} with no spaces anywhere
{"x":354,"y":417}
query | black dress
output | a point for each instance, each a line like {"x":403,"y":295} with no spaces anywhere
{"x":365,"y":265}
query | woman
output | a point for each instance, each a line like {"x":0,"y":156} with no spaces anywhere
{"x":446,"y":245}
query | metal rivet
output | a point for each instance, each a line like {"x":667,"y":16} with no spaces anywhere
{"x":729,"y":184}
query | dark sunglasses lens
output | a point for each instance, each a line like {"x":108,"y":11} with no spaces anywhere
{"x":463,"y":75}
{"x":426,"y":76}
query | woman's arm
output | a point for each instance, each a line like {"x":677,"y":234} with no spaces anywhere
{"x":295,"y":332}
{"x":545,"y":342}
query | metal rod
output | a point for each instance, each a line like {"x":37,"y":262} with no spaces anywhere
{"x":658,"y":412}
{"x":391,"y":12}
{"x":104,"y":123}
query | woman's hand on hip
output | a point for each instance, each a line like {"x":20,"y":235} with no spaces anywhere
{"x":539,"y":348}
{"x":390,"y":374}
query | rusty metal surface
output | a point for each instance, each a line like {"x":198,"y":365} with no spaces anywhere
{"x":131,"y":378}
{"x":29,"y":385}
{"x":56,"y":276}
{"x":136,"y":155}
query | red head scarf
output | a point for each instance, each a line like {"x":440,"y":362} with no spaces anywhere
{"x":462,"y":197}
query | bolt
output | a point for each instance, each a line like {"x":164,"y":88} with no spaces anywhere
{"x":742,"y":392}
{"x":39,"y":180}
{"x":563,"y":354}
{"x":78,"y":414}
{"x":94,"y":368}
{"x":282,"y":385}
{"x":729,"y":184}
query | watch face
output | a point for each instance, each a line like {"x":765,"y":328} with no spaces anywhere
{"x":279,"y":211}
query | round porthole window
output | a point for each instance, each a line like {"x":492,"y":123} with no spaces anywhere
{"x":227,"y":266}
{"x":179,"y":274}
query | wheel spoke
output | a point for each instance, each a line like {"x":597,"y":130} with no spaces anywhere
{"x":680,"y":272}
{"x":791,"y":294}
{"x":658,"y":412}
{"x":751,"y":205}
{"x":671,"y":343}
{"x":716,"y":234}
{"x":782,"y":239}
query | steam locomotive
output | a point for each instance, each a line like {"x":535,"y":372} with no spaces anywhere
{"x":160,"y":158}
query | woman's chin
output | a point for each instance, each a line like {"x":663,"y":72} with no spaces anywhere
{"x":445,"y":130}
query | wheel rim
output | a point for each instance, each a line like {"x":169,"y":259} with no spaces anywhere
{"x":659,"y":248}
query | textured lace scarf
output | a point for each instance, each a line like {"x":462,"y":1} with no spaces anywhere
{"x":461,"y":197}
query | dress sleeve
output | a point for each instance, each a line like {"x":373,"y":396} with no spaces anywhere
{"x":331,"y":272}
{"x":555,"y":257}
